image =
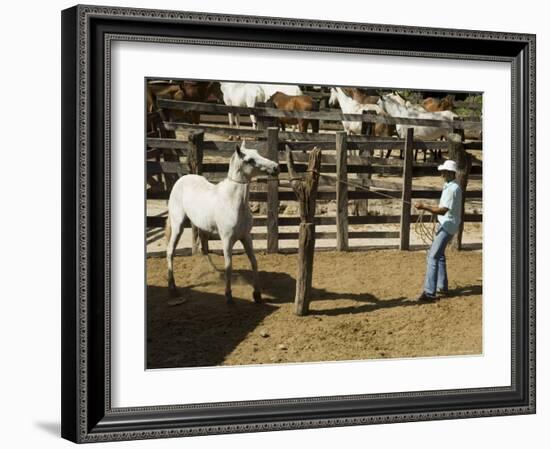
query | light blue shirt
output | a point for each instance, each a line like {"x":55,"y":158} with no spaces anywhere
{"x":451,"y":198}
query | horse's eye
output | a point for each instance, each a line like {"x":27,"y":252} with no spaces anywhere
{"x":251,"y":162}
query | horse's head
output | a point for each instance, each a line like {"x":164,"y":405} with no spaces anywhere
{"x":249,"y":163}
{"x":214,"y":93}
{"x":394,"y":96}
{"x":333,"y":100}
{"x":392,"y":104}
{"x":447,"y":103}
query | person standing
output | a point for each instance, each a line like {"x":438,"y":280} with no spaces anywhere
{"x":449,"y":213}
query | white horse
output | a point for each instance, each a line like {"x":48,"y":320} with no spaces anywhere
{"x":415,"y":106}
{"x":249,"y":94}
{"x":406,"y":103}
{"x":288,"y":89}
{"x":349,"y":106}
{"x":243,"y":95}
{"x":390,"y":103}
{"x":218,"y":209}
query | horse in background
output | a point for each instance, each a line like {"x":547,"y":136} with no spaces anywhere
{"x":348,"y":105}
{"x":288,"y":89}
{"x":394,"y":105}
{"x":200,"y":91}
{"x":432,"y":104}
{"x":295,"y":103}
{"x":363,"y":96}
{"x":218,"y":209}
{"x":242,"y":95}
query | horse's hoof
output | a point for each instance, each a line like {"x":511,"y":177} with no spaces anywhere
{"x":257,"y":297}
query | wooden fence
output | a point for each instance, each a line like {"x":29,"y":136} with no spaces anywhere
{"x":351,"y":162}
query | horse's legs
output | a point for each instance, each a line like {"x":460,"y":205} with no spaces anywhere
{"x":228,"y":256}
{"x":253,"y":120}
{"x":247,"y":244}
{"x":174,"y":229}
{"x":315,"y":126}
{"x":230,"y":116}
{"x":237,"y":121}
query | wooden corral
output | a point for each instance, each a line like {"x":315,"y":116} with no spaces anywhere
{"x":344,"y":159}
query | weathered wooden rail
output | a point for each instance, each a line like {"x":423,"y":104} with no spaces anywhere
{"x":338,"y":185}
{"x":190,"y":106}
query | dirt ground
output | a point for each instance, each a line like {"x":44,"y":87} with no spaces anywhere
{"x":364,"y":307}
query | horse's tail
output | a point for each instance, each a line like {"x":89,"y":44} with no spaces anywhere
{"x":167,"y":229}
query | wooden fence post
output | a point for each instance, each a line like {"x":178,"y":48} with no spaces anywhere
{"x":194,"y":161}
{"x":341,"y":191}
{"x":263,"y":121}
{"x":306,"y":192}
{"x":367,"y":129}
{"x":464,"y":163}
{"x":167,"y":155}
{"x":460,"y":131}
{"x":273,"y":193}
{"x":407,"y":190}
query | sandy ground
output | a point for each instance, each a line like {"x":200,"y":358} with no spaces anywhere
{"x":363,"y":307}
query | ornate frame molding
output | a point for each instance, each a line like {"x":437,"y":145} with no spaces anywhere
{"x":78,"y":21}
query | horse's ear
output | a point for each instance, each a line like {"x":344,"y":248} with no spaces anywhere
{"x":238,"y":150}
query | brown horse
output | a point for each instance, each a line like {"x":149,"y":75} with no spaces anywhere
{"x":203,"y":91}
{"x":363,"y":96}
{"x":295,"y":103}
{"x":155,"y":91}
{"x":200,"y":91}
{"x":432,"y":104}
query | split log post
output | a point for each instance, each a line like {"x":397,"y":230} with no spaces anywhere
{"x":273,"y":192}
{"x":306,"y":192}
{"x":463,"y":161}
{"x":341,"y":191}
{"x":405,"y":230}
{"x":194,"y":162}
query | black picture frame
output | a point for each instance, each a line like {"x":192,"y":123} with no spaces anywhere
{"x":87,"y":415}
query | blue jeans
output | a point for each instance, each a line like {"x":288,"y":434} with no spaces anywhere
{"x":436,"y":269}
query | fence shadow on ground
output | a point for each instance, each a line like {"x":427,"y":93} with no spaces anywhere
{"x":281,"y":288}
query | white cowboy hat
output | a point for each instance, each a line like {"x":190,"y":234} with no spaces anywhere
{"x":448,"y":165}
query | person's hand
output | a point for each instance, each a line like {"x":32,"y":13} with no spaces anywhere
{"x":419,"y":205}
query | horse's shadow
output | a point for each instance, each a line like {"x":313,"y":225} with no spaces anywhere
{"x":201,"y":331}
